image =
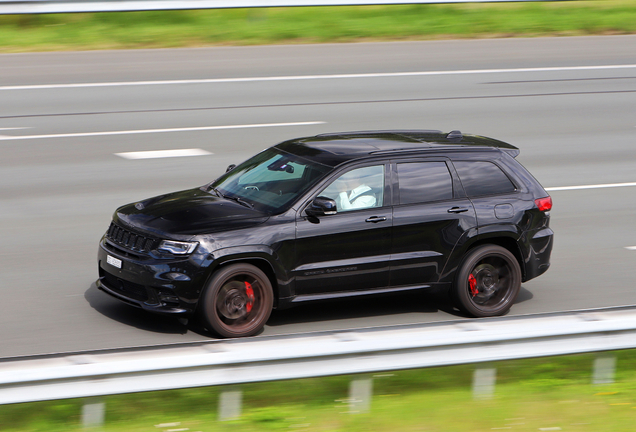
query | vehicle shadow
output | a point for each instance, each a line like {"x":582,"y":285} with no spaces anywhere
{"x":414,"y":302}
{"x":365,"y":307}
{"x":131,"y":316}
{"x":524,"y":295}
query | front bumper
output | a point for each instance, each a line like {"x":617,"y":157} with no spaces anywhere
{"x":166,"y":286}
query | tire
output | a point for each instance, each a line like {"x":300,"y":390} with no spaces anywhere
{"x":237,"y":301}
{"x":487,"y":282}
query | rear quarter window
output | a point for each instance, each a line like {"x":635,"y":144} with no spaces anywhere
{"x":483,"y":178}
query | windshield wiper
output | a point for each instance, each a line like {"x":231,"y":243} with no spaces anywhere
{"x":239,"y":200}
{"x":233,"y":198}
{"x":208,"y":188}
{"x":216,"y":191}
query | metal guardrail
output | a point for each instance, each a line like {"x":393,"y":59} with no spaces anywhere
{"x":71,"y":6}
{"x":312,"y":355}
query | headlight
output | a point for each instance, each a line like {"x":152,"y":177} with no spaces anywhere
{"x":177,"y":247}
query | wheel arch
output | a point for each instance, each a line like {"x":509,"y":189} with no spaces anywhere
{"x":504,"y":239}
{"x":260,"y":256}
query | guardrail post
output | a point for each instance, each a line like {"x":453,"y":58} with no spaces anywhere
{"x":230,"y":402}
{"x":93,"y":412}
{"x":484,"y":383}
{"x":360,"y":394}
{"x":604,"y":368}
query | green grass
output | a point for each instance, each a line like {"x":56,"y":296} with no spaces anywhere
{"x":530,"y":394}
{"x":313,"y":25}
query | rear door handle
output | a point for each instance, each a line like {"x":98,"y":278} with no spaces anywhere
{"x":458,"y":209}
{"x":376,"y":219}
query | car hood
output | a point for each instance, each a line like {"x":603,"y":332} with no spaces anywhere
{"x":188,"y":212}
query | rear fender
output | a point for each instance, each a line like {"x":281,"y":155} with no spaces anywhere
{"x":506,"y":238}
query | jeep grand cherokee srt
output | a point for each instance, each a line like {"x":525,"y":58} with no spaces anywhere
{"x":330,"y":216}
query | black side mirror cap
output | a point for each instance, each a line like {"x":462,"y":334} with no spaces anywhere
{"x":322,"y":206}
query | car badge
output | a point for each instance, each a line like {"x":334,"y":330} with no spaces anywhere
{"x":139,"y":206}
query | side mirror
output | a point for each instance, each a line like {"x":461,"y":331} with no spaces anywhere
{"x":230,"y":168}
{"x":322,"y":206}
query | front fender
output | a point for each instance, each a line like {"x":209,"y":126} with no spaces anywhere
{"x":257,"y":254}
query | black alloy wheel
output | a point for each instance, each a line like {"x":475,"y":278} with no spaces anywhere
{"x":487,"y":282}
{"x":237,"y":301}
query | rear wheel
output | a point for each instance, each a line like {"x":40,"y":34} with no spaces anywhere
{"x":487,"y":282}
{"x":237,"y":301}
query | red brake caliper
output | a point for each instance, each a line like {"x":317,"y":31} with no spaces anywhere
{"x":250,"y":297}
{"x":472,"y":283}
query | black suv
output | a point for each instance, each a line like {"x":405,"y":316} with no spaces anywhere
{"x":330,"y":216}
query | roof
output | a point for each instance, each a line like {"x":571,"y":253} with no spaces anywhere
{"x":336,"y":148}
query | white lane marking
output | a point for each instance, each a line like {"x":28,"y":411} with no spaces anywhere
{"x":156,"y":154}
{"x":145,"y":131}
{"x":317,"y":77}
{"x":631,"y":248}
{"x":597,"y":186}
{"x":12,"y":128}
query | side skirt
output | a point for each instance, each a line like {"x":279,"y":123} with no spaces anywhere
{"x":341,"y":294}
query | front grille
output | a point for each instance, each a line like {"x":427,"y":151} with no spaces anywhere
{"x":129,"y":240}
{"x":124,"y":287}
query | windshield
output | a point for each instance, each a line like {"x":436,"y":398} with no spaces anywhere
{"x":271,"y":181}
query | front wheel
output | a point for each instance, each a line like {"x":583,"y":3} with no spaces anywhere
{"x":487,"y":282}
{"x":237,"y":301}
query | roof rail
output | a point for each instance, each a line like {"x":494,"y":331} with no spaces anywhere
{"x":376,"y":132}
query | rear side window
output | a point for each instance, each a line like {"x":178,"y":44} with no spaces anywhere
{"x":423,"y":182}
{"x":483,"y":178}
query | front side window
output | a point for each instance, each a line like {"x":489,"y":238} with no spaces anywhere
{"x":424,"y":182}
{"x":271,"y":181}
{"x":483,"y":178}
{"x":359,"y":188}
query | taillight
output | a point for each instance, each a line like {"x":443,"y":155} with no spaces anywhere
{"x":544,"y":204}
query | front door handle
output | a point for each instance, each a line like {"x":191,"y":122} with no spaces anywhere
{"x":376,"y":219}
{"x":458,"y":209}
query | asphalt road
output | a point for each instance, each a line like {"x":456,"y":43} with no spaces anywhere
{"x":568,"y":103}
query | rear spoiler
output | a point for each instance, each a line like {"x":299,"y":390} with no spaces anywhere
{"x":514,"y":152}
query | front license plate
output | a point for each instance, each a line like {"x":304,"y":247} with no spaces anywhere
{"x":113,"y":261}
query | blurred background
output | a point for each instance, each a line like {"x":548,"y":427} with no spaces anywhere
{"x":79,"y":91}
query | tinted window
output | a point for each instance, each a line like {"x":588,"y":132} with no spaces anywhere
{"x":483,"y":178}
{"x":424,"y":181}
{"x":287,"y":170}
